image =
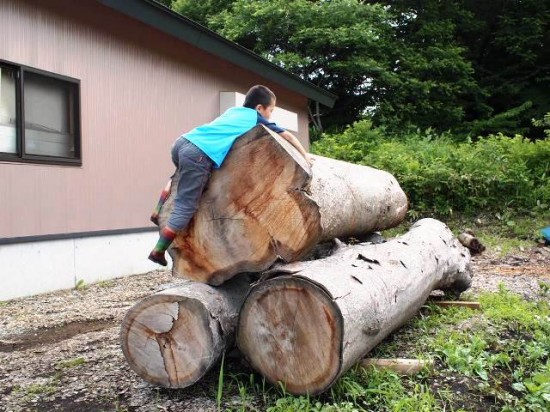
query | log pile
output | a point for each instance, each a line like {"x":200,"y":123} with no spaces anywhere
{"x":303,"y":323}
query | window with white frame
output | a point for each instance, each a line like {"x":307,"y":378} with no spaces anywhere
{"x":39,"y":116}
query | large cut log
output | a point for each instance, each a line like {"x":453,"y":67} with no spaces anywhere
{"x":172,"y":338}
{"x":262,"y":205}
{"x":314,"y":320}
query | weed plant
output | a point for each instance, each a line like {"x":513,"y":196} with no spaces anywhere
{"x":496,"y":174}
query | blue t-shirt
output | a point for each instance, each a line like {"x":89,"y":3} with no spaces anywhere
{"x":216,"y":138}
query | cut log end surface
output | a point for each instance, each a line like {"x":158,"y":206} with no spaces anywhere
{"x":265,"y":203}
{"x":254,"y":210}
{"x":153,"y":335}
{"x":172,"y":338}
{"x":298,"y":334}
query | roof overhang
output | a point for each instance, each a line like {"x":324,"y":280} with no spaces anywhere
{"x":162,"y":18}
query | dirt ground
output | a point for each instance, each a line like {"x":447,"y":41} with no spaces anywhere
{"x":60,"y":351}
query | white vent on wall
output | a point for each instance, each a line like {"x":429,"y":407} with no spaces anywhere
{"x":284,"y":118}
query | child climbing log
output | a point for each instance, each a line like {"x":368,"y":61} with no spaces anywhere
{"x":264,"y":203}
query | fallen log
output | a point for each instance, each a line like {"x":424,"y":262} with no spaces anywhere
{"x":355,"y":200}
{"x":172,"y":338}
{"x":262,"y":205}
{"x":313,"y":320}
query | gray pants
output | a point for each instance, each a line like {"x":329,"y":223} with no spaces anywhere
{"x":194,"y":169}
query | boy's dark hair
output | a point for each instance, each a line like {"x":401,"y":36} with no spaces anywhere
{"x":258,"y":95}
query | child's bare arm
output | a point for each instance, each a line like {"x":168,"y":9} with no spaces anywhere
{"x":293,"y":140}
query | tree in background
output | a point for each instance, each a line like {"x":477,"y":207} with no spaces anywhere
{"x":462,"y":65}
{"x":339,"y":45}
{"x":433,"y":82}
{"x":506,"y":43}
{"x":200,"y":11}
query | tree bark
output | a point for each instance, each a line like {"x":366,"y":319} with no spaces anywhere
{"x":172,"y":338}
{"x":314,"y":320}
{"x":262,"y":205}
{"x":355,"y":200}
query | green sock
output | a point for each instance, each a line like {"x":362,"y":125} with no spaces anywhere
{"x":166,"y":238}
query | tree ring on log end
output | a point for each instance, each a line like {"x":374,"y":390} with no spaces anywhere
{"x":291,"y":332}
{"x":168,"y":340}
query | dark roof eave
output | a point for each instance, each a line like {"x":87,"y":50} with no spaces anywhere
{"x":174,"y":24}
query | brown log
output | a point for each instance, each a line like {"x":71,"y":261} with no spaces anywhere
{"x":262,"y":205}
{"x":355,"y":200}
{"x":172,"y":338}
{"x":314,"y":320}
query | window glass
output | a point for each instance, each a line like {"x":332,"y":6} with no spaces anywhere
{"x":8,"y":120}
{"x":49,"y":116}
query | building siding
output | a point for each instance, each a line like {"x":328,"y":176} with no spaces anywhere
{"x":140,"y":89}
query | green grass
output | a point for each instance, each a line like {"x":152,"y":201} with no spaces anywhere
{"x":498,"y":355}
{"x":80,"y":285}
{"x":71,"y":363}
{"x":106,"y":283}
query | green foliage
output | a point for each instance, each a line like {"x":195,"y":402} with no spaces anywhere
{"x":365,"y":390}
{"x":340,"y":45}
{"x":543,"y":123}
{"x":200,"y":11}
{"x":381,"y":389}
{"x":506,"y":48}
{"x":80,"y":285}
{"x":432,"y":81}
{"x":475,"y":68}
{"x":469,"y":354}
{"x":354,"y":49}
{"x":442,"y":176}
{"x":506,"y":345}
{"x":219,"y":393}
{"x":516,"y":312}
{"x":506,"y":122}
{"x":536,"y":390}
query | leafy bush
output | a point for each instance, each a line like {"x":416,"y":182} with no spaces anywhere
{"x":442,"y":176}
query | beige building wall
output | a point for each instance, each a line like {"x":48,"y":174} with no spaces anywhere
{"x":140,"y":89}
